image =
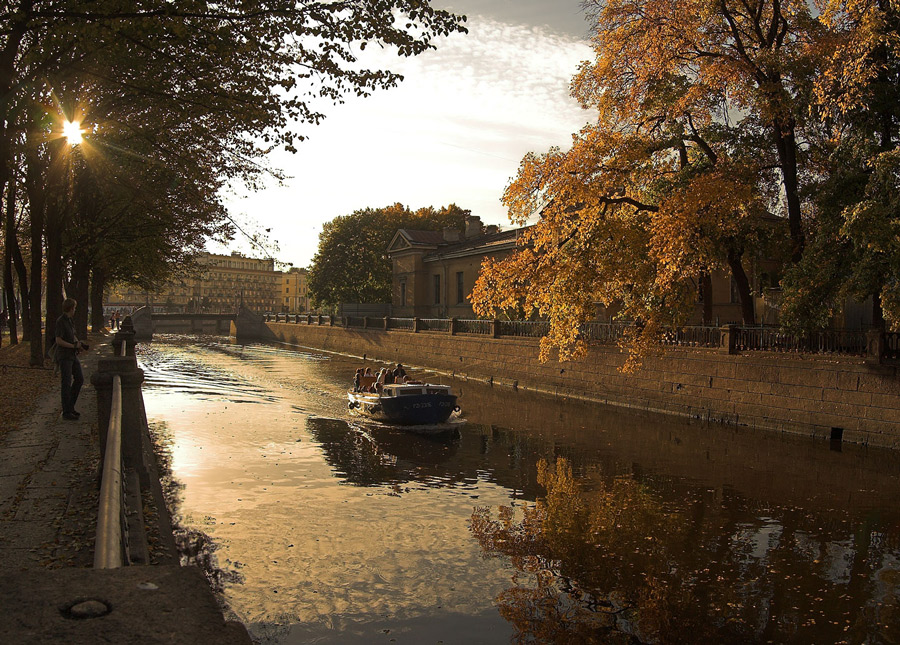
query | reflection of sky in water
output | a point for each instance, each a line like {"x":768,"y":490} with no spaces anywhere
{"x":346,"y":533}
{"x":394,"y":554}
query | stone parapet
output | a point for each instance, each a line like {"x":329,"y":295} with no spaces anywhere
{"x":794,"y":393}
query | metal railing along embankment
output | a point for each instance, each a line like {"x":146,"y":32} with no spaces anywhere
{"x":109,"y":547}
{"x":732,"y":338}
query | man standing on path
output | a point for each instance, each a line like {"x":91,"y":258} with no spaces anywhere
{"x":67,"y":348}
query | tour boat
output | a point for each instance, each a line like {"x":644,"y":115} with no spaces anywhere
{"x":410,"y":403}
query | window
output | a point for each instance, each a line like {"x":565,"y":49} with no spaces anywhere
{"x":437,"y":288}
{"x":735,"y":294}
{"x":460,"y":291}
{"x":402,"y":294}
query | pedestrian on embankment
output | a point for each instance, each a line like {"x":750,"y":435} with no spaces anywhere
{"x":67,"y":348}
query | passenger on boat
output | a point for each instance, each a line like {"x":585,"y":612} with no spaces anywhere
{"x":388,"y":377}
{"x":356,"y":377}
{"x":379,"y":382}
{"x":369,"y":379}
{"x":399,"y":374}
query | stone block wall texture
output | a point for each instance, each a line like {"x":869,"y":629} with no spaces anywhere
{"x":799,"y":394}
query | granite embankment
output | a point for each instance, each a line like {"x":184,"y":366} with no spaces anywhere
{"x":827,"y":397}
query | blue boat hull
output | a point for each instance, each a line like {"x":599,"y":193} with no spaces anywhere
{"x":420,"y":409}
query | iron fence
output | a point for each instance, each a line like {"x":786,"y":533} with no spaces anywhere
{"x":405,"y":324}
{"x":434,"y":324}
{"x":692,"y":337}
{"x":838,"y":341}
{"x":483,"y":327}
{"x":742,"y":339}
{"x":524,"y":328}
{"x":891,"y":350}
{"x":603,"y":332}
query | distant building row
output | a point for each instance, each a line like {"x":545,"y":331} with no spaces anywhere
{"x":220,"y":285}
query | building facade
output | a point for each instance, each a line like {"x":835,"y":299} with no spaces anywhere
{"x":221,"y":284}
{"x":293,"y":291}
{"x":434,"y":271}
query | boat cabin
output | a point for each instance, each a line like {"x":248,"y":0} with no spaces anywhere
{"x":407,"y":389}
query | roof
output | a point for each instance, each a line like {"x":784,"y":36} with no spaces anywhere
{"x":435,"y":247}
{"x":405,"y":239}
{"x":480,"y":245}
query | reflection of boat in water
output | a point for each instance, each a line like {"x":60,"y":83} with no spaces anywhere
{"x":416,"y":406}
{"x":371,"y":455}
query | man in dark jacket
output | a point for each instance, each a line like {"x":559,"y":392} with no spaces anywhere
{"x":67,"y":348}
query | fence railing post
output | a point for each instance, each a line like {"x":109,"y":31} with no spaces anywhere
{"x":386,"y":320}
{"x":875,"y":346}
{"x":453,"y":326}
{"x":415,"y":325}
{"x":495,"y":328}
{"x":126,"y":337}
{"x":728,"y":339}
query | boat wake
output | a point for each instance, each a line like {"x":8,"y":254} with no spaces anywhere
{"x":447,"y":427}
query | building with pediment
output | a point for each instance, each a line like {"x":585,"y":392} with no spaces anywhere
{"x":434,"y":271}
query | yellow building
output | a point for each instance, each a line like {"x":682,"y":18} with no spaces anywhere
{"x":220,"y":285}
{"x":294,"y":298}
{"x":229,"y":281}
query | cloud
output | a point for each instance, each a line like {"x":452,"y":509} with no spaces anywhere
{"x":453,"y":131}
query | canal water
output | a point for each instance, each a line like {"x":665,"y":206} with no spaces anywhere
{"x":535,"y":520}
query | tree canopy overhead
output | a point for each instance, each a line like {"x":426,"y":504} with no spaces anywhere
{"x":718,"y":125}
{"x":175,"y":98}
{"x":351,"y":264}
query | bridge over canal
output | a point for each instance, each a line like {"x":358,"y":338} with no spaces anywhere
{"x":148,"y":323}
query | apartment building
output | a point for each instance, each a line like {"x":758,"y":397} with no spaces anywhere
{"x":221,"y":284}
{"x":293,"y":294}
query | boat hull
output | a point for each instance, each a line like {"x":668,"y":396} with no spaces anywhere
{"x":419,"y":409}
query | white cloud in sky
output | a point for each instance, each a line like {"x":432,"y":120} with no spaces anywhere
{"x":453,"y":131}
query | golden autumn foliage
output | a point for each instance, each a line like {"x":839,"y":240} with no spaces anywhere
{"x":715,"y":124}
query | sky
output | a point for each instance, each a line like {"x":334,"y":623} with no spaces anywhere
{"x":453,"y":131}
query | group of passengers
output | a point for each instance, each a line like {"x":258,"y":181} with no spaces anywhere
{"x":365,"y":381}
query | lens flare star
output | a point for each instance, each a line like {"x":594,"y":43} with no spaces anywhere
{"x":72,"y":132}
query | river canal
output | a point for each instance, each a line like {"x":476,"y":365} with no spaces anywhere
{"x":539,"y":520}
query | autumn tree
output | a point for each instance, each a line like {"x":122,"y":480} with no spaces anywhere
{"x":351,"y":263}
{"x":693,"y":164}
{"x":854,"y":251}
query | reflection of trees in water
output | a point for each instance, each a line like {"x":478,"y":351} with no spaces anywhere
{"x":198,"y":549}
{"x":615,"y":564}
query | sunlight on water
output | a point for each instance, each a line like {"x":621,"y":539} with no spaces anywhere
{"x":327,"y":529}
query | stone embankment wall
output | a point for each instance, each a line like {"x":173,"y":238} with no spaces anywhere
{"x":801,"y":394}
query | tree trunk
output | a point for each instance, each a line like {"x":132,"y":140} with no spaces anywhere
{"x":743,"y":285}
{"x":9,"y":242}
{"x":22,"y":273}
{"x":80,"y":291}
{"x":877,"y":312}
{"x":98,"y":284}
{"x":53,"y":232}
{"x":786,"y":143}
{"x":706,"y":290}
{"x":36,"y":199}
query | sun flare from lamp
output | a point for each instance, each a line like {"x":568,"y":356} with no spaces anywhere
{"x":72,"y":132}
